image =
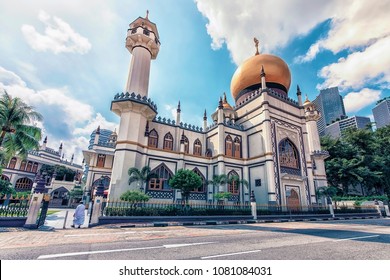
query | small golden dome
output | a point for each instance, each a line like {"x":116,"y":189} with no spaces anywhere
{"x":225,"y":104}
{"x":307,"y":102}
{"x":248,"y":73}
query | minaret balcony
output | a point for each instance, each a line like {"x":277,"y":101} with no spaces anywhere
{"x":320,"y":154}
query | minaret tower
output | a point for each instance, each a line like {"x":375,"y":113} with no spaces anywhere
{"x":317,"y":178}
{"x":133,"y":107}
{"x":143,"y":43}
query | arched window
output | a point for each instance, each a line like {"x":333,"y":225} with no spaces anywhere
{"x":35,"y":167}
{"x":197,"y":147}
{"x":4,"y":178}
{"x":29,"y":166}
{"x":237,"y":147}
{"x":12,"y":163}
{"x":229,"y":146}
{"x":23,"y":165}
{"x":233,"y":185}
{"x":168,"y":142}
{"x":186,"y":144}
{"x":153,"y":139}
{"x":162,"y":182}
{"x":288,"y":154}
{"x":100,"y":160}
{"x":202,"y":188}
{"x":23,"y":184}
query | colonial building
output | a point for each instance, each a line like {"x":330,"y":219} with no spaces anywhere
{"x":21,"y":172}
{"x":265,"y":137}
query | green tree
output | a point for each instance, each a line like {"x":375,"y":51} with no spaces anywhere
{"x":62,"y":172}
{"x":18,"y":134}
{"x":355,"y":161}
{"x":6,"y":188}
{"x":141,"y":176}
{"x":186,"y":181}
{"x":218,"y":180}
{"x":134,"y":197}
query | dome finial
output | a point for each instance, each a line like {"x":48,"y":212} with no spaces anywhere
{"x":256,"y":45}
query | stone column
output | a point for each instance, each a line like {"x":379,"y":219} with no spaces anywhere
{"x":97,"y":205}
{"x":253,"y":205}
{"x":35,"y":203}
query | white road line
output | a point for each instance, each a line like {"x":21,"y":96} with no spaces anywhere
{"x":184,"y":245}
{"x":352,"y":238}
{"x":232,"y":254}
{"x":169,"y":246}
{"x":116,"y":233}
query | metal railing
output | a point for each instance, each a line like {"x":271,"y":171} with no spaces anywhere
{"x":14,"y":207}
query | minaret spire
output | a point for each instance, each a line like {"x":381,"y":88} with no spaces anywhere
{"x":147,"y":15}
{"x":256,"y":45}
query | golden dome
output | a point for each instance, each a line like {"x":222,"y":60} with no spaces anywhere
{"x":248,"y":74}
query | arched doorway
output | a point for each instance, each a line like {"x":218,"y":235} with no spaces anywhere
{"x":293,"y":203}
{"x":59,"y":197}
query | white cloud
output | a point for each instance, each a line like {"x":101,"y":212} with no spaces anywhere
{"x":355,"y":101}
{"x":359,"y":68}
{"x":273,"y":22}
{"x":65,"y":119}
{"x":356,"y":24}
{"x":59,"y":37}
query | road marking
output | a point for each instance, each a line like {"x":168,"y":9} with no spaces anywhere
{"x":359,"y":237}
{"x":185,"y":245}
{"x":169,"y":246}
{"x":232,"y":254}
{"x":117,"y":233}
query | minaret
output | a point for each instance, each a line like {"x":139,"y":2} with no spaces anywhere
{"x":44,"y":144}
{"x":135,"y":112}
{"x":71,"y":160}
{"x":97,"y":136}
{"x":312,"y":115}
{"x":220,"y":111}
{"x":143,"y":43}
{"x":205,"y":121}
{"x":262,"y":75}
{"x":299,"y":94}
{"x":60,"y":150}
{"x":178,"y":111}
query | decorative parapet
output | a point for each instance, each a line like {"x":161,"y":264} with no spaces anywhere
{"x":136,"y":98}
{"x":233,"y":125}
{"x":106,"y":144}
{"x":323,"y":154}
{"x":282,"y":97}
{"x":249,"y":98}
{"x":182,"y":125}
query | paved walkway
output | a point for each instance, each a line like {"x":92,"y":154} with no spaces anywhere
{"x":57,"y":220}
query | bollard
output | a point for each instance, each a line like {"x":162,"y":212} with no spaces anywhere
{"x":253,"y":205}
{"x":330,"y":205}
{"x":378,"y":209}
{"x":66,"y":217}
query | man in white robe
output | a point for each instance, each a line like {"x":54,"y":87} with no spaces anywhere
{"x":79,"y":215}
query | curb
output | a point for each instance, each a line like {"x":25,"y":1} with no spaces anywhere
{"x":235,"y":222}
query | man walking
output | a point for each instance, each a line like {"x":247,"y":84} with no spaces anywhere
{"x":79,"y":215}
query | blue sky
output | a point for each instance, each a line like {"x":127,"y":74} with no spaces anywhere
{"x":69,"y":59}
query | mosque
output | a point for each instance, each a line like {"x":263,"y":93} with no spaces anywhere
{"x":265,"y":137}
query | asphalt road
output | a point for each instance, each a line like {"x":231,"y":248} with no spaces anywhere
{"x":327,"y":240}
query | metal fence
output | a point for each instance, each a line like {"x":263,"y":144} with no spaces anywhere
{"x":123,"y":208}
{"x":14,"y":206}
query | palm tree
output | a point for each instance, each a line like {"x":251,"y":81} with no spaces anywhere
{"x":217,"y":181}
{"x":18,"y":135}
{"x":142,"y":176}
{"x":238,"y":181}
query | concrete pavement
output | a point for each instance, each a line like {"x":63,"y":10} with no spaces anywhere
{"x":62,"y":219}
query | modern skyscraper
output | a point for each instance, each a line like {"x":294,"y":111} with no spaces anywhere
{"x":382,"y":113}
{"x":336,"y":129}
{"x":331,"y":106}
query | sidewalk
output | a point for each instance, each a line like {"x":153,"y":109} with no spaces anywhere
{"x":57,"y":220}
